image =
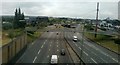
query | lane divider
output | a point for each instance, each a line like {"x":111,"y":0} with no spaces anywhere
{"x":34,"y":59}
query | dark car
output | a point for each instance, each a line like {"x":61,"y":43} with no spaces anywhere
{"x":63,"y":52}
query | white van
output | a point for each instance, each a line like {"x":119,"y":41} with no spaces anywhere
{"x":74,"y":38}
{"x":54,"y":59}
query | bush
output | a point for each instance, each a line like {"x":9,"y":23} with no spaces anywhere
{"x":6,"y":26}
{"x":89,"y":27}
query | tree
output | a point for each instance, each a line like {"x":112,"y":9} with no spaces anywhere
{"x":19,"y":19}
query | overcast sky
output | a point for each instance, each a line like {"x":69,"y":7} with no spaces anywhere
{"x":69,"y":8}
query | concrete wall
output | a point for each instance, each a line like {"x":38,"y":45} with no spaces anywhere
{"x":11,"y":49}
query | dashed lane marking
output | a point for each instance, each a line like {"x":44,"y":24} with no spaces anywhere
{"x":34,"y":59}
{"x":44,"y":43}
{"x":76,"y":44}
{"x":57,"y":45}
{"x":48,"y":56}
{"x":79,"y":48}
{"x":103,"y":60}
{"x":39,"y":51}
{"x":114,"y":59}
{"x":85,"y":53}
{"x":49,"y":49}
{"x":93,"y":60}
{"x":46,"y":40}
{"x":42,"y":46}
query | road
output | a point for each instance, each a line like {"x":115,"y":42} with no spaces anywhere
{"x":41,"y":50}
{"x":89,"y":51}
{"x":50,"y":43}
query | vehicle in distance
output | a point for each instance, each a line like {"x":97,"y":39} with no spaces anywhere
{"x":63,"y":52}
{"x":75,"y":38}
{"x":54,"y":59}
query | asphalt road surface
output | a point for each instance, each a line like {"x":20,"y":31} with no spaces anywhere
{"x":41,"y":50}
{"x":89,"y":51}
{"x":50,"y":43}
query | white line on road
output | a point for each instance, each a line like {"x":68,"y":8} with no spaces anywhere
{"x":49,"y":49}
{"x":39,"y":51}
{"x":48,"y":56}
{"x":114,"y":59}
{"x":42,"y":46}
{"x":103,"y":60}
{"x":32,"y":43}
{"x":34,"y":59}
{"x":85,"y":53}
{"x":57,"y":45}
{"x":50,"y":45}
{"x":73,"y":42}
{"x":45,"y":40}
{"x":44,"y":43}
{"x":94,"y":53}
{"x":76,"y":44}
{"x":57,"y":50}
{"x":93,"y":60}
{"x":79,"y":48}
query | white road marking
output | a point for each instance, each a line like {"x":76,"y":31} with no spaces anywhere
{"x":51,"y":42}
{"x":103,"y":60}
{"x":57,"y":45}
{"x":114,"y":59}
{"x":73,"y":42}
{"x":85,"y":53}
{"x":42,"y":46}
{"x":76,"y":44}
{"x":93,"y":60}
{"x":94,"y":53}
{"x":34,"y":59}
{"x":32,"y":43}
{"x":39,"y":51}
{"x":48,"y":56}
{"x":44,"y":43}
{"x":50,"y":45}
{"x":57,"y":50}
{"x":79,"y":48}
{"x":45,"y":40}
{"x":49,"y":49}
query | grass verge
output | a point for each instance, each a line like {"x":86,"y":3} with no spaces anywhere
{"x":104,"y":40}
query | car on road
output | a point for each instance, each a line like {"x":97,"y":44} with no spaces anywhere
{"x":54,"y":59}
{"x":62,"y":51}
{"x":75,"y":38}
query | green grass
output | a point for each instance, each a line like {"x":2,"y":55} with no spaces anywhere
{"x":106,"y":41}
{"x":6,"y":35}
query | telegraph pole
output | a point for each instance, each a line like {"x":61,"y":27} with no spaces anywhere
{"x":96,"y":20}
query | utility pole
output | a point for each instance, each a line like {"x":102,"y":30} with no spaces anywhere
{"x":96,"y":20}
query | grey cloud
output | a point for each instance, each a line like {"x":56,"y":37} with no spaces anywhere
{"x":72,"y":9}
